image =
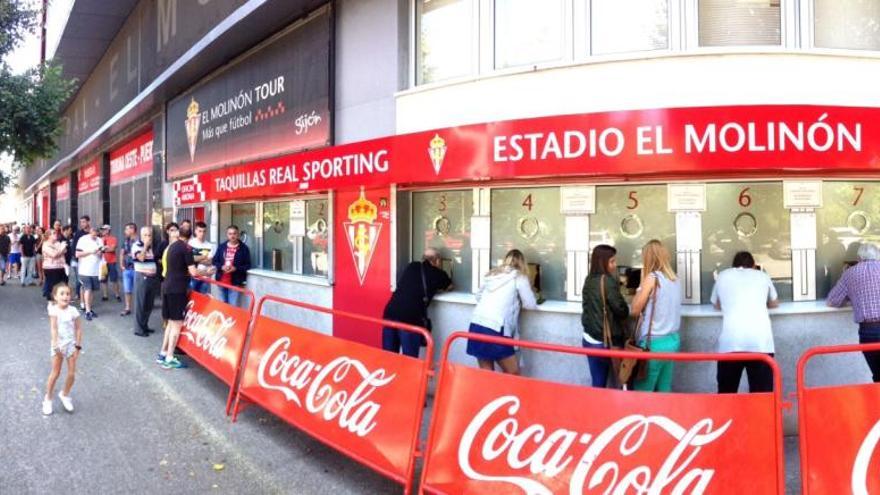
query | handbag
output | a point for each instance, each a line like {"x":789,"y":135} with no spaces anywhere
{"x":616,"y":363}
{"x":426,"y":322}
{"x":632,"y":368}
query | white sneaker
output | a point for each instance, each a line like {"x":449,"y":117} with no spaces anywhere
{"x":47,"y":407}
{"x":66,"y":402}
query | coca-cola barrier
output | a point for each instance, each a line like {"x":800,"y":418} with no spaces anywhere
{"x":363,"y":401}
{"x":497,"y":433}
{"x":214,"y":333}
{"x":839,"y":431}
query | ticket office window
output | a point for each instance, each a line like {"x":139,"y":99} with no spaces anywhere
{"x":529,"y":219}
{"x":295,"y":237}
{"x":244,"y":216}
{"x":316,"y":242}
{"x":627,"y":217}
{"x":747,"y":217}
{"x":850,"y":215}
{"x":277,"y":244}
{"x":442,"y":220}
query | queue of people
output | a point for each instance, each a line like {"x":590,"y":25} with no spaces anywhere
{"x":743,"y":294}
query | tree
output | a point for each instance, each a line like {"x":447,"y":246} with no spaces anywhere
{"x":30,"y":103}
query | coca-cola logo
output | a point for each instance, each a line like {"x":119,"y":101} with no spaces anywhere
{"x":328,"y":389}
{"x":207,"y":331}
{"x":859,"y":482}
{"x":538,"y":452}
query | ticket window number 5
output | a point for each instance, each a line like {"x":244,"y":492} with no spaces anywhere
{"x":631,"y":225}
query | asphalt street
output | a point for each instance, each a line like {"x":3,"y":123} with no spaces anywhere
{"x":138,"y":428}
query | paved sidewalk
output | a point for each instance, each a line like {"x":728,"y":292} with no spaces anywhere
{"x":139,"y":428}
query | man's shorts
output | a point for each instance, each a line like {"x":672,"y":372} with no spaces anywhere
{"x":112,"y":272}
{"x":174,"y":306}
{"x":89,"y":283}
{"x":128,"y":280}
{"x":15,"y":258}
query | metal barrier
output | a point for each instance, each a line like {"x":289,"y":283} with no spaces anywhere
{"x":498,"y":433}
{"x":214,"y":334}
{"x":364,"y":402}
{"x":845,"y":421}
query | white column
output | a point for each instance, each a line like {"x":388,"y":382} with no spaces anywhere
{"x":803,"y":254}
{"x":577,"y":254}
{"x":480,"y":237}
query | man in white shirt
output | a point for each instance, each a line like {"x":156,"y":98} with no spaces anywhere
{"x":89,"y":253}
{"x":744,"y":294}
{"x":203,"y":253}
{"x":14,"y":264}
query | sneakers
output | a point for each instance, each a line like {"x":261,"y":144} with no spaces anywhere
{"x":173,"y":364}
{"x":82,"y":305}
{"x":160,"y":358}
{"x":118,"y":299}
{"x":89,"y":315}
{"x":47,"y":407}
{"x":66,"y":402}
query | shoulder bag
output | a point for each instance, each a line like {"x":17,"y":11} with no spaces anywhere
{"x":631,"y":368}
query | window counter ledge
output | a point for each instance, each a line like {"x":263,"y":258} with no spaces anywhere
{"x":687,"y":311}
{"x":290,"y":277}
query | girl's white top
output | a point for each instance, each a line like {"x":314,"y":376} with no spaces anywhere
{"x":66,"y":319}
{"x":499,"y":301}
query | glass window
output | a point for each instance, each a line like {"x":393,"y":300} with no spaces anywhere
{"x":740,"y":22}
{"x":442,"y":220}
{"x":628,"y":25}
{"x":853,"y":24}
{"x":242,"y":215}
{"x":849,"y":216}
{"x":316,"y":261}
{"x":627,"y":217}
{"x":528,"y":32}
{"x":746,"y":217}
{"x":277,"y":244}
{"x":529,"y":220}
{"x":445,"y":39}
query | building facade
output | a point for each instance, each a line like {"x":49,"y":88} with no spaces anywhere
{"x":345,"y":137}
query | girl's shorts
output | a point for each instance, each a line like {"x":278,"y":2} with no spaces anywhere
{"x":68,"y":349}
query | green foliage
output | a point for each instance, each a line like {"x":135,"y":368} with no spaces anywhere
{"x":30,"y":103}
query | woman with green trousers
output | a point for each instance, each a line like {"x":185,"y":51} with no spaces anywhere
{"x":658,"y":300}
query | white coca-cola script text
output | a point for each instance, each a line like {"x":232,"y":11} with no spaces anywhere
{"x":534,"y":451}
{"x":324,"y":386}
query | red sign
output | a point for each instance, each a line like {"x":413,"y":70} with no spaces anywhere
{"x":363,"y":261}
{"x":89,"y":178}
{"x":62,"y":189}
{"x":363,"y":401}
{"x":497,"y":433}
{"x":213,"y":335}
{"x":843,"y":443}
{"x":132,"y":159}
{"x":676,"y":141}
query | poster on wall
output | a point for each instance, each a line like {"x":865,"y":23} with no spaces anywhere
{"x":273,"y":101}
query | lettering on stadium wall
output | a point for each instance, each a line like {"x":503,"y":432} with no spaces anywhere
{"x":762,"y":139}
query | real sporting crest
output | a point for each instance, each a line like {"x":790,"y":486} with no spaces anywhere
{"x":362,"y":232}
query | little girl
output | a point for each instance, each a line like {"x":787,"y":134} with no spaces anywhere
{"x":66,"y":328}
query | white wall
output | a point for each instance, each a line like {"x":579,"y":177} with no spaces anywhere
{"x":711,"y":79}
{"x":368,"y":67}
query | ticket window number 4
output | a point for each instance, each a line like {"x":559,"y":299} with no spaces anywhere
{"x":528,"y":226}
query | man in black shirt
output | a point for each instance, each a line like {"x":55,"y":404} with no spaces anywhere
{"x":5,"y":249}
{"x":28,"y":253}
{"x":178,"y":268}
{"x":409,"y":302}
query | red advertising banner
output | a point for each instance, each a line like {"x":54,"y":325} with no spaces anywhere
{"x":213,"y":335}
{"x":504,"y":434}
{"x":365,"y":402}
{"x":89,"y":178}
{"x":840,"y":446}
{"x":62,"y":189}
{"x":132,"y":159}
{"x":638,"y":143}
